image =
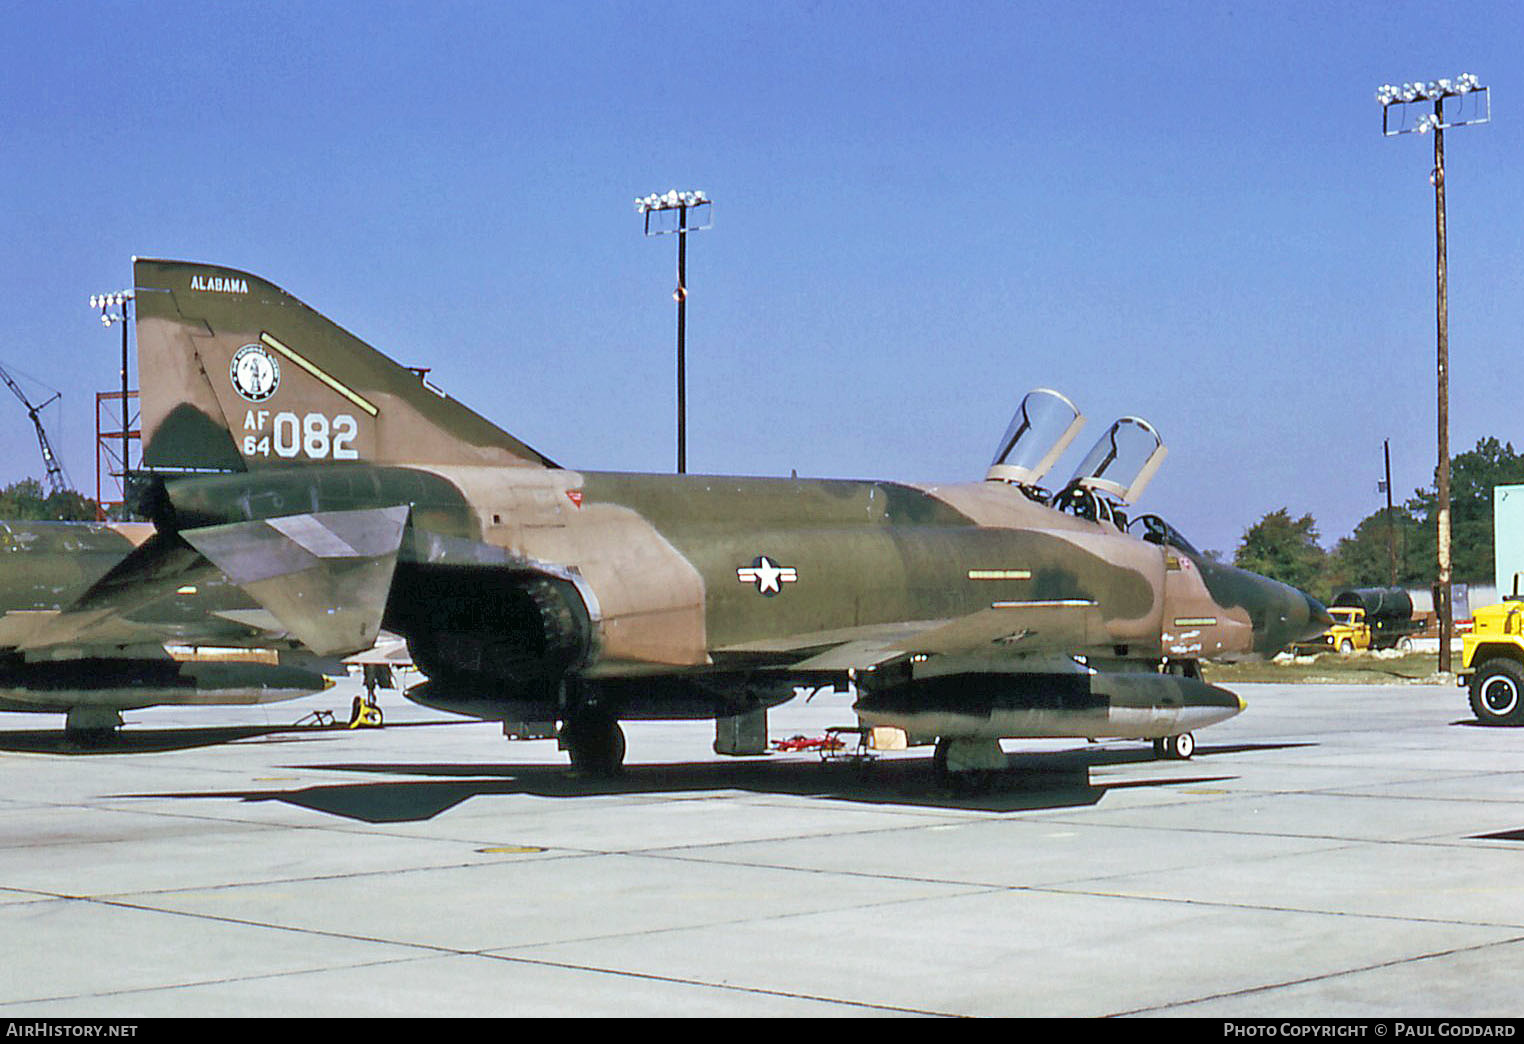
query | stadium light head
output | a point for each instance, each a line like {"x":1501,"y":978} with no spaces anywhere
{"x":1432,"y":90}
{"x":670,"y":200}
{"x":106,"y":302}
{"x":1474,"y":107}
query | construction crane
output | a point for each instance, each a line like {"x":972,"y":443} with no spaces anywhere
{"x":58,"y":482}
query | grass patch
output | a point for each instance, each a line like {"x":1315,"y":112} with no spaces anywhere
{"x":1382,"y":668}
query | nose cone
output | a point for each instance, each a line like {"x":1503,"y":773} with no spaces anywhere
{"x":1279,"y":614}
{"x":1282,"y":615}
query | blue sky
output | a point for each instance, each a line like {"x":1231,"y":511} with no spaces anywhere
{"x":1184,"y":211}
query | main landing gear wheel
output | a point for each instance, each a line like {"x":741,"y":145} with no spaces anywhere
{"x":91,"y":726}
{"x":967,"y":766}
{"x":1495,"y":690}
{"x":596,"y":746}
{"x":1175,"y":748}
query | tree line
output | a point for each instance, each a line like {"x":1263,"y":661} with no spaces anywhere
{"x":28,"y":500}
{"x":1400,"y":545}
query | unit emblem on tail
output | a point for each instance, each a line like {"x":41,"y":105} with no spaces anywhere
{"x":255,"y":373}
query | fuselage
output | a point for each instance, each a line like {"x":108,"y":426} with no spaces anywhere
{"x":697,"y":571}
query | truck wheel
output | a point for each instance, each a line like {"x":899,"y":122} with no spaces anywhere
{"x":1346,"y":647}
{"x":1496,"y":689}
{"x":1405,"y":644}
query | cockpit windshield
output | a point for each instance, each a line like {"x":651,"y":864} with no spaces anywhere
{"x":1044,"y":425}
{"x":1157,"y":531}
{"x":1123,"y":461}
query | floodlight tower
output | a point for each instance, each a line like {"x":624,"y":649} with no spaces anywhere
{"x":114,"y":310}
{"x":1475,"y":103}
{"x":663,"y":205}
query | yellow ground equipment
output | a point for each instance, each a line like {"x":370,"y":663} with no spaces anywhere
{"x":1492,"y":663}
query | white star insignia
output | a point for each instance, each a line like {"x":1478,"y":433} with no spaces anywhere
{"x":767,"y":575}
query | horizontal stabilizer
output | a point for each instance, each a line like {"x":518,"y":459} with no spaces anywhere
{"x":325,"y":576}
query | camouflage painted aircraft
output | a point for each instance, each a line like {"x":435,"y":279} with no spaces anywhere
{"x":105,"y":663}
{"x":353,"y":494}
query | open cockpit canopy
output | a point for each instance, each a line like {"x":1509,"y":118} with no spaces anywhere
{"x":1044,"y":425}
{"x":1123,"y":461}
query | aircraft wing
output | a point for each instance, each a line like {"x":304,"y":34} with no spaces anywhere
{"x":1005,"y":629}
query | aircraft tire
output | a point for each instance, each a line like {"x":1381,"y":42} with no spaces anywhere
{"x":596,"y":745}
{"x":1175,"y":748}
{"x":1497,"y":693}
{"x":961,"y":781}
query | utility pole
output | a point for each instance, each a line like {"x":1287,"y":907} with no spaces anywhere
{"x":662,"y":206}
{"x":1391,"y":522}
{"x":1466,"y":88}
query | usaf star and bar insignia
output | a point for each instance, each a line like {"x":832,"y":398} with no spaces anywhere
{"x":767,"y":575}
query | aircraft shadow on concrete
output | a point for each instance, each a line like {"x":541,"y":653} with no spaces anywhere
{"x":152,"y":741}
{"x":1035,"y":782}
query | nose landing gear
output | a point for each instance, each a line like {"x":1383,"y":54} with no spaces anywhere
{"x":1175,"y":748}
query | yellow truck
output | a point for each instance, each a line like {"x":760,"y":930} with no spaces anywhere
{"x":1492,"y":662}
{"x":1366,"y":618}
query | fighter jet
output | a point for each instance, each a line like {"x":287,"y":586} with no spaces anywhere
{"x":102,"y":663}
{"x":352,"y":494}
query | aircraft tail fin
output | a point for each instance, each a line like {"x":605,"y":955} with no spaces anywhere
{"x":237,"y":374}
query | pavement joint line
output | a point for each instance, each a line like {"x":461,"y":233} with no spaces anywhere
{"x":878,"y":875}
{"x":689,"y":853}
{"x":222,"y":886}
{"x":224,"y":981}
{"x":1219,"y":904}
{"x":1421,"y":842}
{"x":988,"y":887}
{"x":1342,"y":841}
{"x":549,"y":852}
{"x":968,"y":891}
{"x":331,"y":824}
{"x":760,"y":990}
{"x":494,"y":954}
{"x":1324,"y":977}
{"x":964,"y":891}
{"x":553,"y":851}
{"x":1046,"y":815}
